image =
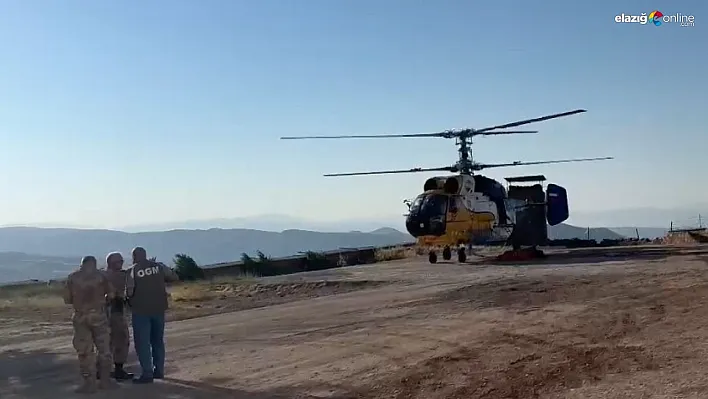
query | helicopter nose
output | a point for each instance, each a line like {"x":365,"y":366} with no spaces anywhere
{"x":415,"y":226}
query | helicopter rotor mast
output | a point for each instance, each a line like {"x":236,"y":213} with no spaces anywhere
{"x":465,"y":163}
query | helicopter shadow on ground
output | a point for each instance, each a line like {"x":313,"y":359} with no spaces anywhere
{"x":39,"y":374}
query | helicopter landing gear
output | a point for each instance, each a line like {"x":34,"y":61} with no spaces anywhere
{"x":461,"y":255}
{"x":447,"y":253}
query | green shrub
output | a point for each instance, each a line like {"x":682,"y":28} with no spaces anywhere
{"x":316,"y":261}
{"x":187,"y":269}
{"x":262,"y":265}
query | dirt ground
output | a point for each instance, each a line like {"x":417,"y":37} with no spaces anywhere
{"x":608,"y":325}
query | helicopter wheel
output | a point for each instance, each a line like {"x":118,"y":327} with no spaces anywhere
{"x":432,"y":257}
{"x":447,"y":253}
{"x":461,"y":255}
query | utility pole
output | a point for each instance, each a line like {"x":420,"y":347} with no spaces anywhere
{"x":671,"y":228}
{"x":588,"y":233}
{"x":700,"y":222}
{"x":636,"y":230}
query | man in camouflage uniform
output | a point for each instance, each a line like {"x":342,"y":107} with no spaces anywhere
{"x":86,"y":290}
{"x":120,"y":336}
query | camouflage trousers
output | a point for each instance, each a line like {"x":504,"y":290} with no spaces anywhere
{"x":119,"y":337}
{"x":91,"y":330}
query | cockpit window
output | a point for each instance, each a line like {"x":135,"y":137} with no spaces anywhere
{"x":435,"y":205}
{"x":417,"y":202}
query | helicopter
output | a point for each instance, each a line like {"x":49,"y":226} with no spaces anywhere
{"x":465,"y":209}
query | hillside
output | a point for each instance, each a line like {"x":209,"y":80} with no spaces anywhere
{"x":45,"y":253}
{"x":566,"y":231}
{"x":644,"y":232}
{"x":18,"y":266}
{"x":206,"y":246}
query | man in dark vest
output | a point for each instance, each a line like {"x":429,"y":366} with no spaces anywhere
{"x":147,"y":295}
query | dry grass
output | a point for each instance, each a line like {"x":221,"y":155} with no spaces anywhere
{"x":42,"y":295}
{"x":34,"y":296}
{"x":383,"y":255}
{"x":206,"y":298}
{"x":42,"y":302}
{"x":37,"y":311}
{"x":32,"y":310}
{"x":207,"y":290}
{"x":45,"y":296}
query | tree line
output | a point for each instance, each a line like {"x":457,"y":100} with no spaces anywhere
{"x":260,"y":265}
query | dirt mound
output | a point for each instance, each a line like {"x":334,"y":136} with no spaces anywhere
{"x":698,"y":236}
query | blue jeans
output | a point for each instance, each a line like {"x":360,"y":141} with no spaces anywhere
{"x":149,"y":333}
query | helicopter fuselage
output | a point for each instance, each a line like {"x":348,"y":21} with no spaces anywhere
{"x":466,"y":210}
{"x":457,"y":210}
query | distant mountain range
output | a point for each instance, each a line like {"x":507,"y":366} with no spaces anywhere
{"x":566,"y":231}
{"x":18,"y":266}
{"x":46,"y":253}
{"x":687,"y":216}
{"x":278,"y":222}
{"x":272,"y":222}
{"x":643,"y":232}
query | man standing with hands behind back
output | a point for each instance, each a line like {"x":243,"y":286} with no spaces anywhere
{"x":146,"y":292}
{"x":120,"y":336}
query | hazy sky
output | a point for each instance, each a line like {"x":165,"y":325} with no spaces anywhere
{"x":124,"y":112}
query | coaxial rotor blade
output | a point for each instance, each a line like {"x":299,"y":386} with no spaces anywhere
{"x":380,"y":136}
{"x":476,"y":133}
{"x":519,"y":163}
{"x":452,"y":169}
{"x":527,"y":121}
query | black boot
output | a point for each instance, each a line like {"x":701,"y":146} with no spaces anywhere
{"x":158,"y":375}
{"x":120,"y":374}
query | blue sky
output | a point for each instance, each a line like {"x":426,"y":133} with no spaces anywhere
{"x":124,"y":112}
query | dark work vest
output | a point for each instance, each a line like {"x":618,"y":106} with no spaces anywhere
{"x":149,"y":290}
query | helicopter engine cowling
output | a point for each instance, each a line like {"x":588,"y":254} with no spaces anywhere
{"x":434,"y":183}
{"x":431,"y":184}
{"x":452,"y":185}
